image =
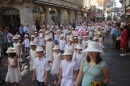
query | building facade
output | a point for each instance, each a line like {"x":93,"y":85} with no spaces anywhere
{"x":16,"y":12}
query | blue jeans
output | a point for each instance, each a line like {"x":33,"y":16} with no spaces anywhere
{"x":40,"y":83}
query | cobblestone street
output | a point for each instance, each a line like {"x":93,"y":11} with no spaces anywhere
{"x":119,"y":69}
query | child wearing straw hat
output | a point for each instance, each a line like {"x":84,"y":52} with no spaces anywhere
{"x":17,"y":47}
{"x":26,"y":44}
{"x":41,"y":68}
{"x":84,"y":42}
{"x":49,"y":45}
{"x":36,"y":38}
{"x":32,"y":55}
{"x":56,"y":61}
{"x":62,"y":43}
{"x":69,"y":45}
{"x":68,"y":69}
{"x":13,"y":75}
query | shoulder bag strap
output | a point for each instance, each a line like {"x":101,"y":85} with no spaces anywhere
{"x":90,"y":69}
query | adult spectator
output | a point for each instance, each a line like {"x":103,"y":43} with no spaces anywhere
{"x":26,"y":30}
{"x":124,"y":40}
{"x":113,"y":36}
{"x":21,"y":31}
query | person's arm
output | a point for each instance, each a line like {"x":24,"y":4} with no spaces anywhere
{"x":80,"y":76}
{"x":106,"y":75}
{"x":46,"y":80}
{"x":75,"y":75}
{"x":34,"y":73}
{"x":52,"y":59}
{"x":19,"y":51}
{"x":60,"y":76}
{"x":15,"y":65}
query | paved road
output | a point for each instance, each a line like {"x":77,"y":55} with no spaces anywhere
{"x":119,"y":68}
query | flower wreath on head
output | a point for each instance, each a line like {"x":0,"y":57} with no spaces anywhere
{"x":81,"y":32}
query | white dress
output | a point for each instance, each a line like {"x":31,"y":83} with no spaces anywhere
{"x":16,"y":46}
{"x":67,"y":73}
{"x":84,"y":44}
{"x":56,"y":63}
{"x":41,"y":40}
{"x":33,"y":55}
{"x":36,"y":40}
{"x":13,"y":74}
{"x":49,"y":51}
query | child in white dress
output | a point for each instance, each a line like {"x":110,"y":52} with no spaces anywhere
{"x":56,"y":61}
{"x":68,"y":69}
{"x":84,"y":42}
{"x":49,"y":45}
{"x":78,"y":56}
{"x":32,"y":55}
{"x":36,"y":39}
{"x":17,"y":47}
{"x":13,"y":75}
{"x":32,"y":38}
{"x":41,"y":39}
{"x":69,"y":45}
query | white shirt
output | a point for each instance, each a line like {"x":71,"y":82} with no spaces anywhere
{"x":62,"y":44}
{"x":78,"y":58}
{"x":68,"y":69}
{"x":70,"y":47}
{"x":26,"y":43}
{"x":84,"y":44}
{"x":41,"y":66}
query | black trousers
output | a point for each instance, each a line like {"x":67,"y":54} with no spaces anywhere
{"x":117,"y":44}
{"x":40,"y":83}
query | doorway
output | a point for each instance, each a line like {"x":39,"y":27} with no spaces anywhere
{"x":11,"y":18}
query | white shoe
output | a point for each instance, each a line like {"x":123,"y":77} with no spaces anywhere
{"x":121,"y":54}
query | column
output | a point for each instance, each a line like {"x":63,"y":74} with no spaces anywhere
{"x":78,"y":16}
{"x":48,"y":16}
{"x":70,"y":16}
{"x":61,"y":14}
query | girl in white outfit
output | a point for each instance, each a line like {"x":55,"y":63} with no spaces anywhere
{"x":32,"y":55}
{"x":68,"y":69}
{"x":17,"y":47}
{"x":69,"y":45}
{"x":84,"y":42}
{"x":56,"y":60}
{"x":13,"y":75}
{"x":41,"y":39}
{"x":36,"y":39}
{"x":49,"y":45}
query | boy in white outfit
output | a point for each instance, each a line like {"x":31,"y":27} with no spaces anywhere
{"x":62,"y":43}
{"x":41,"y":68}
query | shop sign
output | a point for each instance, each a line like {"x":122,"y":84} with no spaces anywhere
{"x":11,"y":12}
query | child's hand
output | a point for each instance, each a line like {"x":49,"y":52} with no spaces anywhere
{"x":28,"y":57}
{"x":59,"y":81}
{"x":33,"y":79}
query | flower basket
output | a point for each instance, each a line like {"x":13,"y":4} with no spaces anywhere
{"x":97,"y":83}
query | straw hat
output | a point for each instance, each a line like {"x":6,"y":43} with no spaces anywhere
{"x":32,"y":36}
{"x":39,"y":49}
{"x":32,"y":43}
{"x":40,"y":30}
{"x":26,"y":24}
{"x":84,"y":36}
{"x":71,"y":39}
{"x":42,"y":26}
{"x":26,"y":35}
{"x":99,"y":32}
{"x":47,"y":37}
{"x":68,"y":52}
{"x":61,"y":35}
{"x":56,"y":47}
{"x":35,"y":32}
{"x":92,"y":47}
{"x":11,"y":50}
{"x":79,"y":46}
{"x":15,"y":37}
{"x":95,"y":38}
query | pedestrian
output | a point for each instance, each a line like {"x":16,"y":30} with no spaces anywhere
{"x":56,"y":61}
{"x":26,"y":43}
{"x":26,"y":30}
{"x":41,"y":39}
{"x":62,"y":43}
{"x":17,"y":47}
{"x":32,"y":55}
{"x":13,"y":75}
{"x":92,"y":67}
{"x":9,"y":38}
{"x":41,"y":68}
{"x":69,"y":45}
{"x":84,"y":42}
{"x":113,"y":36}
{"x":78,"y":56}
{"x":124,"y":40}
{"x":21,"y":31}
{"x":36,"y":38}
{"x":68,"y":70}
{"x":49,"y":45}
{"x":32,"y":38}
{"x":1,"y":66}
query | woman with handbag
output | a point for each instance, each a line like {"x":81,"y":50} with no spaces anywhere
{"x":92,"y":67}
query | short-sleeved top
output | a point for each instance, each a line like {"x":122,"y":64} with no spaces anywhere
{"x":96,"y":73}
{"x":41,"y":66}
{"x":68,"y":69}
